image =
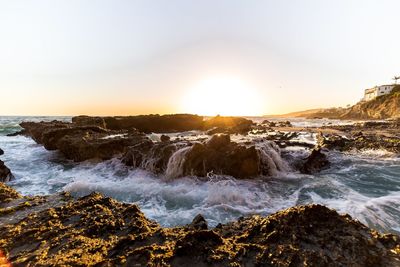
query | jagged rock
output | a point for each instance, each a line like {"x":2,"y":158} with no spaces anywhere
{"x":165,"y":138}
{"x":219,"y":156}
{"x":80,"y":143}
{"x":151,"y":156}
{"x":36,"y":129}
{"x":229,"y":125}
{"x":199,"y":223}
{"x":277,"y":123}
{"x":359,"y":142}
{"x":22,"y":132}
{"x":5,"y":173}
{"x":89,"y":121}
{"x":95,"y":230}
{"x":156,"y":123}
{"x":7,"y":193}
{"x":315,"y":162}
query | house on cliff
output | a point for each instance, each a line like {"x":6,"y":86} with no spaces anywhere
{"x":376,"y":91}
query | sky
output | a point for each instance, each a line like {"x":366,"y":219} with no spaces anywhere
{"x":250,"y":57}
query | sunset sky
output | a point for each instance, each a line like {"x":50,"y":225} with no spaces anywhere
{"x":209,"y":57}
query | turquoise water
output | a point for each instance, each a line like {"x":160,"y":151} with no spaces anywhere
{"x":366,"y":185}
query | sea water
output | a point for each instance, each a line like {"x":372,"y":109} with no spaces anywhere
{"x":366,"y":185}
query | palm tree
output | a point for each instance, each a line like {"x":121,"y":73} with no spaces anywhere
{"x":395,"y":78}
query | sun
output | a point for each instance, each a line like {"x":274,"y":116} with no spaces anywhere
{"x":224,"y":96}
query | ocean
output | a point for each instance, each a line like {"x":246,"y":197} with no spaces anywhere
{"x":364,"y":184}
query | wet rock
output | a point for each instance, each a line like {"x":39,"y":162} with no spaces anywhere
{"x":80,"y":143}
{"x":156,"y":123}
{"x":96,"y":230}
{"x":36,"y":129}
{"x":199,"y":223}
{"x":360,"y":141}
{"x":89,"y":121}
{"x":165,"y":138}
{"x":5,"y":173}
{"x":7,"y":193}
{"x":22,"y":132}
{"x":229,"y":125}
{"x":276,"y":123}
{"x":91,"y":145}
{"x":151,"y":156}
{"x":1,"y":152}
{"x":218,"y":156}
{"x":315,"y":162}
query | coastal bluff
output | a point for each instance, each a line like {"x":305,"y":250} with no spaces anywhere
{"x":59,"y":230}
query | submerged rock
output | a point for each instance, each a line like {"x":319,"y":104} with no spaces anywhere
{"x":5,"y":173}
{"x":315,"y":162}
{"x":219,"y":155}
{"x":96,"y":230}
{"x":360,"y":141}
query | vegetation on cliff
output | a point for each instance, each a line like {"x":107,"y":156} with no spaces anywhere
{"x":383,"y":107}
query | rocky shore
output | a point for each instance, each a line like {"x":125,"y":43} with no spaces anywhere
{"x":5,"y":173}
{"x":207,"y":148}
{"x":58,"y":230}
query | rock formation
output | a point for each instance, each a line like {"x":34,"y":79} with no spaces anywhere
{"x":5,"y":173}
{"x":58,"y":230}
{"x":218,"y":155}
{"x":315,"y":162}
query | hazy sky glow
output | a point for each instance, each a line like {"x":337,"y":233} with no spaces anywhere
{"x":129,"y":57}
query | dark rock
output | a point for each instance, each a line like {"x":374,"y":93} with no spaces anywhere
{"x":80,"y":143}
{"x":165,"y":138}
{"x":5,"y":173}
{"x":151,"y":156}
{"x":232,"y":125}
{"x":1,"y":152}
{"x":22,"y":132}
{"x":218,"y":156}
{"x":199,"y":223}
{"x":99,"y":231}
{"x":89,"y":121}
{"x":156,"y":123}
{"x":315,"y":162}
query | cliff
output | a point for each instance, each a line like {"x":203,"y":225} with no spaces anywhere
{"x":383,"y":107}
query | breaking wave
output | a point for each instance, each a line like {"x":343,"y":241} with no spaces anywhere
{"x":366,"y":185}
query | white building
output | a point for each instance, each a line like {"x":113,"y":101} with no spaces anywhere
{"x":373,"y":93}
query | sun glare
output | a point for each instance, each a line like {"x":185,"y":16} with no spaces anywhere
{"x":222,"y":96}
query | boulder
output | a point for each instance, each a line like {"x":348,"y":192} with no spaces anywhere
{"x":315,"y":162}
{"x":199,"y":223}
{"x":165,"y":138}
{"x":218,"y":156}
{"x":1,"y":152}
{"x":151,"y":156}
{"x":5,"y":173}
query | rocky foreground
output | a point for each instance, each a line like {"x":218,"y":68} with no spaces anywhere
{"x":58,"y":230}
